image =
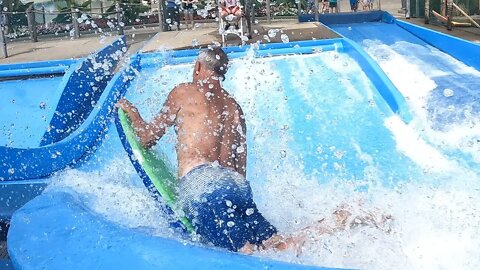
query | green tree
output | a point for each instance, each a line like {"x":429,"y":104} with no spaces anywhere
{"x":65,"y":8}
{"x":131,"y":10}
{"x":16,"y":20}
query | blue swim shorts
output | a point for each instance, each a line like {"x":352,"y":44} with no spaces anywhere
{"x":219,"y":203}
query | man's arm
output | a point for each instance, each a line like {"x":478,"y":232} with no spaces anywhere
{"x":150,"y":133}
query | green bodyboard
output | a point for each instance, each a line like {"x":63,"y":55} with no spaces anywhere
{"x":155,"y":168}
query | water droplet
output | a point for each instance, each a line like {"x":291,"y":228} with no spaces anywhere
{"x":285,"y":38}
{"x":11,"y":171}
{"x":283,"y":154}
{"x":42,"y":105}
{"x":448,"y":92}
{"x":339,"y":154}
{"x":230,"y":224}
{"x":228,"y":203}
{"x":240,"y":149}
{"x":249,"y":211}
{"x":194,"y":42}
{"x":272,"y":33}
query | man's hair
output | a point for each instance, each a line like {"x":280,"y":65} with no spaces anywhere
{"x":215,"y":59}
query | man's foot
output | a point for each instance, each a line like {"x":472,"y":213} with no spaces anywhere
{"x":227,"y":26}
{"x":280,"y":243}
{"x":236,"y":26}
{"x":248,"y":249}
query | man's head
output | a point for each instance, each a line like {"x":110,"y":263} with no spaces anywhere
{"x":211,"y":62}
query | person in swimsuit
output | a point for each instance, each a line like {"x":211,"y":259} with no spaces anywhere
{"x":188,"y":11}
{"x":212,"y":153}
{"x":230,"y":12}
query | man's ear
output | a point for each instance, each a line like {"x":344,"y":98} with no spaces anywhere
{"x":197,"y":68}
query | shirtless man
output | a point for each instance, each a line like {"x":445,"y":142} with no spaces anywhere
{"x":212,"y":155}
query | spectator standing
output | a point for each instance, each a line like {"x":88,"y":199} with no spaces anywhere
{"x":311,"y":6}
{"x":188,"y":11}
{"x":324,"y":6}
{"x":173,"y":13}
{"x":332,"y":4}
{"x":354,"y":5}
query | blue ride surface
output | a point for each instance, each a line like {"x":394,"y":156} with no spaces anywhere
{"x":429,"y":50}
{"x":60,"y":218}
{"x":445,"y":70}
{"x":39,"y":99}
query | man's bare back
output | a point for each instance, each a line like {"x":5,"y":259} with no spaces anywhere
{"x":209,"y":123}
{"x":210,"y":127}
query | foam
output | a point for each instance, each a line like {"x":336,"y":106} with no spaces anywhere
{"x":423,"y":67}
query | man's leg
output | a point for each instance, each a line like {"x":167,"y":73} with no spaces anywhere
{"x":223,"y":14}
{"x":177,"y":17}
{"x":238,"y":16}
{"x":190,"y":15}
{"x":342,"y":220}
{"x":169,"y":19}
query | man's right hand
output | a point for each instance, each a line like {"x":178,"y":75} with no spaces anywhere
{"x":126,"y":105}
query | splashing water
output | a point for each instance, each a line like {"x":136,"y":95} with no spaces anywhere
{"x":440,"y":90}
{"x":316,"y":141}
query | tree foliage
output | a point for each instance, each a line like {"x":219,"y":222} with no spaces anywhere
{"x":65,"y":8}
{"x":131,"y":10}
{"x":16,"y":20}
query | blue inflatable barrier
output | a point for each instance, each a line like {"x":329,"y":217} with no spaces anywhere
{"x":54,"y":231}
{"x":83,"y":86}
{"x":37,"y":162}
{"x":32,"y":69}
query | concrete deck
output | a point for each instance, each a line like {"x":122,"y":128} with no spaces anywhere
{"x":149,"y":39}
{"x":27,"y":51}
{"x":208,"y":34}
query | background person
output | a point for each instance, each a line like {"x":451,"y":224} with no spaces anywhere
{"x":173,"y":13}
{"x":230,"y":12}
{"x":332,"y":4}
{"x":188,"y":11}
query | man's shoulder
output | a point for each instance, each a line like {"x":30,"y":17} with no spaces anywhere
{"x":179,"y":92}
{"x":182,"y":89}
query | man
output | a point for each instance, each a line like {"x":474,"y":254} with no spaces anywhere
{"x":212,"y":155}
{"x":173,"y":14}
{"x":332,"y":4}
{"x":230,"y":11}
{"x":188,"y":11}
